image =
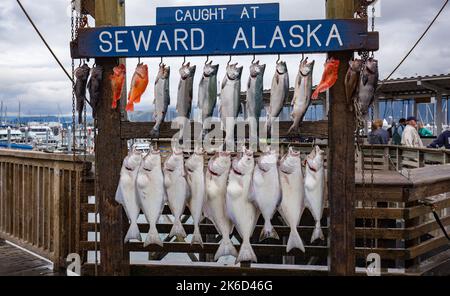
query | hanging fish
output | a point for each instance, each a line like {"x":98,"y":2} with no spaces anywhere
{"x":81,"y":75}
{"x":292,"y":202}
{"x":266,"y":191}
{"x":177,"y":190}
{"x":207,"y":91}
{"x":216,"y":179}
{"x":195,"y":177}
{"x":329,"y":77}
{"x":278,"y":93}
{"x":185,"y":94}
{"x":367,"y":85}
{"x":314,"y":188}
{"x":230,"y":105}
{"x":351,"y":82}
{"x":139,"y":84}
{"x":240,"y":207}
{"x":162,"y":99}
{"x":117,"y":83}
{"x":94,"y":87}
{"x":151,"y":193}
{"x":126,"y":192}
{"x":255,"y":88}
{"x":302,"y":93}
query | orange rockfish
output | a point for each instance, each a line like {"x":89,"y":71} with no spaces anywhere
{"x":138,"y":86}
{"x":117,"y":83}
{"x":329,"y":77}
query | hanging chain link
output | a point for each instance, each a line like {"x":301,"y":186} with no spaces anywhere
{"x":73,"y":88}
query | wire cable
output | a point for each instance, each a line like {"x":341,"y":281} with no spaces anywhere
{"x":415,"y":45}
{"x":43,"y":40}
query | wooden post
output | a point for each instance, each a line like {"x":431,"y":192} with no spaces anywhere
{"x":439,"y":114}
{"x":341,"y":161}
{"x":110,"y":149}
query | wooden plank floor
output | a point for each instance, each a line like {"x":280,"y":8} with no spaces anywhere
{"x":16,"y":262}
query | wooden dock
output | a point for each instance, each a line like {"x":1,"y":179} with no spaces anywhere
{"x":16,"y":262}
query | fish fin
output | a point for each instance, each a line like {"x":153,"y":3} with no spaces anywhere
{"x":119,"y":195}
{"x":114,"y":104}
{"x":277,"y":79}
{"x":226,"y":248}
{"x":248,"y":83}
{"x":177,"y":230}
{"x":246,"y":253}
{"x":197,"y":237}
{"x":133,"y":233}
{"x":156,"y":81}
{"x":153,"y":238}
{"x":130,"y":107}
{"x":224,"y":82}
{"x":317,"y":233}
{"x":268,"y":231}
{"x":294,"y":241}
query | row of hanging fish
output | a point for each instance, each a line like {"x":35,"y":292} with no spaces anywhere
{"x":230,"y":105}
{"x":229,"y":192}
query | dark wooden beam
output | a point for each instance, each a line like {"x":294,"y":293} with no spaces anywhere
{"x":110,"y":150}
{"x":341,"y":161}
{"x":136,"y":130}
{"x":88,"y":7}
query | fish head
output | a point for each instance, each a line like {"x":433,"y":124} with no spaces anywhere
{"x":210,"y":70}
{"x":195,"y":161}
{"x":142,"y":70}
{"x":234,"y":72}
{"x":355,"y":65}
{"x":97,"y":72}
{"x":257,"y":70}
{"x":267,"y":160}
{"x":82,"y":72}
{"x":290,"y":161}
{"x":164,"y":71}
{"x":319,"y":155}
{"x":133,"y":160}
{"x":281,"y":67}
{"x":372,"y":65}
{"x":246,"y":162}
{"x":187,"y":71}
{"x":152,"y":159}
{"x":119,"y":70}
{"x":220,"y":163}
{"x":175,"y":161}
{"x":306,"y":68}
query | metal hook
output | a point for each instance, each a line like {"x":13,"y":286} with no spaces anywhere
{"x":254,"y":58}
{"x":303,"y":57}
{"x":229,"y":61}
{"x":184,"y":60}
{"x":207,"y":59}
{"x":81,"y":61}
{"x":278,"y":60}
{"x":139,"y":60}
{"x":160,"y":63}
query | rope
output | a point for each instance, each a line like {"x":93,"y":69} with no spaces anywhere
{"x":45,"y":42}
{"x":414,"y":46}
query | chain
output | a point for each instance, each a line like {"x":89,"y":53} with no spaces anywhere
{"x":372,"y":220}
{"x":73,"y":89}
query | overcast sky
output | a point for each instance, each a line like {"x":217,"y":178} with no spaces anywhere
{"x":30,"y":74}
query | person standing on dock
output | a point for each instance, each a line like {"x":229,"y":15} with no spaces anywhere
{"x":442,"y":141}
{"x":410,"y":136}
{"x":378,"y":135}
{"x":397,"y":131}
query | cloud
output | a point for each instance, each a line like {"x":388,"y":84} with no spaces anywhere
{"x":30,"y":74}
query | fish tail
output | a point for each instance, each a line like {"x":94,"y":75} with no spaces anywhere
{"x":153,"y":237}
{"x":246,"y":253}
{"x":268,"y":232}
{"x":177,"y":230}
{"x":317,"y":233}
{"x":197,"y":237}
{"x":226,"y":248}
{"x":294,"y":241}
{"x":80,"y":117}
{"x":129,"y":107}
{"x":315,"y":94}
{"x":133,"y":233}
{"x":294,"y":125}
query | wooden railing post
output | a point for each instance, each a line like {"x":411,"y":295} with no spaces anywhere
{"x":57,"y":242}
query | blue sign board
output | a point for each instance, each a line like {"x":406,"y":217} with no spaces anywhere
{"x":262,"y":37}
{"x":218,"y":13}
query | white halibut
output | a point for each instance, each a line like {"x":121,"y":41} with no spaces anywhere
{"x":240,"y":207}
{"x":214,"y":208}
{"x":292,"y":204}
{"x":196,"y":179}
{"x":177,"y":190}
{"x":314,"y":188}
{"x":126,"y":193}
{"x":151,"y":193}
{"x":266,"y":191}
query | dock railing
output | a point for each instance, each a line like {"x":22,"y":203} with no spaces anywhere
{"x":40,"y":202}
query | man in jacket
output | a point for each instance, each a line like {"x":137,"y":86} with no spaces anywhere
{"x":442,"y":141}
{"x":410,"y":136}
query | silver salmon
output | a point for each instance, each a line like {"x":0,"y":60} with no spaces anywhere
{"x":278,"y":93}
{"x":255,"y":88}
{"x":302,"y":93}
{"x":162,"y":99}
{"x":185,"y":94}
